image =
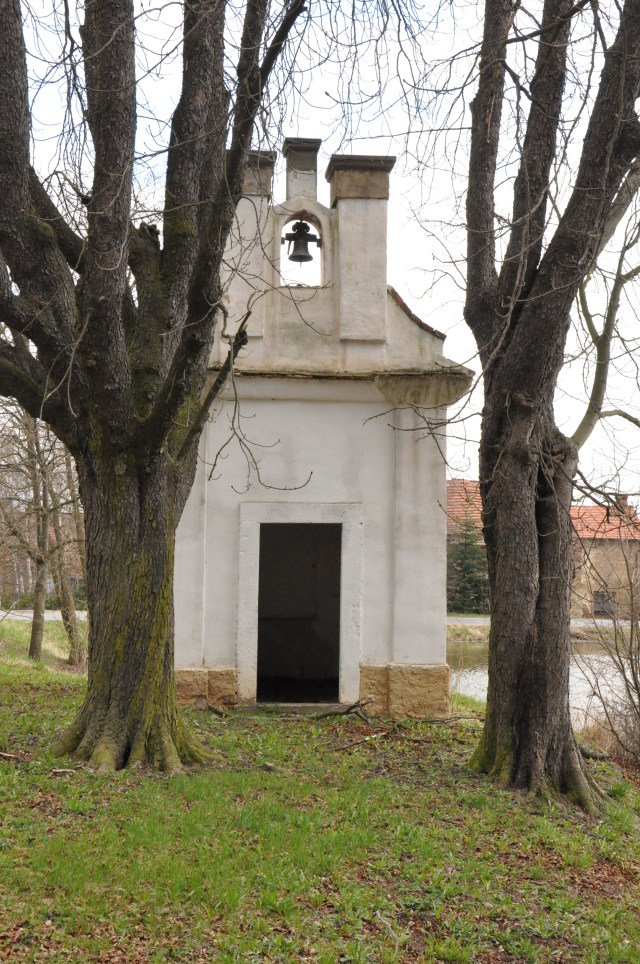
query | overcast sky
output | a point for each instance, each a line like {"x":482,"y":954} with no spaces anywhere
{"x":426,"y":207}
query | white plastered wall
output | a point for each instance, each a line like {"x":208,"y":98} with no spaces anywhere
{"x":327,"y":453}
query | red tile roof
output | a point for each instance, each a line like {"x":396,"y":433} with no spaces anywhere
{"x":463,"y":502}
{"x":597,"y":522}
{"x":589,"y":521}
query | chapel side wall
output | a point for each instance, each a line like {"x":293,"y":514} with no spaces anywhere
{"x":416,"y":681}
{"x":190,"y":571}
{"x":420,"y":534}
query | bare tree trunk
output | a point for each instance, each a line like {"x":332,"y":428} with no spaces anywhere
{"x":39,"y":601}
{"x":518,"y":308}
{"x":78,"y":523}
{"x":40,"y":501}
{"x":77,"y":646}
{"x":16,"y":578}
{"x":528,"y":740}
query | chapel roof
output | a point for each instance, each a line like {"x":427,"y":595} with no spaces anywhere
{"x":401,"y":303}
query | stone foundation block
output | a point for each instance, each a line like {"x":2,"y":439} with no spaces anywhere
{"x":401,"y":691}
{"x":374,"y":689}
{"x":191,"y":686}
{"x":222,"y":689}
{"x":419,"y":691}
{"x":199,"y":687}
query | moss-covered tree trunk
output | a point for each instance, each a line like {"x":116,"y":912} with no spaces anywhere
{"x":106,"y":334}
{"x":130,"y":713}
{"x":528,"y":740}
{"x":521,"y":284}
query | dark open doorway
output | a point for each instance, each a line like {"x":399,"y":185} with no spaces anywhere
{"x":299,"y":613}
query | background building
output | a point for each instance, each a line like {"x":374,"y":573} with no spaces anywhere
{"x":606,"y":581}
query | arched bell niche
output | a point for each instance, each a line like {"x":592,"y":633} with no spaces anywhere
{"x":301,"y":252}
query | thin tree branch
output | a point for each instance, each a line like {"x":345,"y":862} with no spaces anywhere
{"x":239,"y":341}
{"x":619,"y":413}
{"x":70,"y":244}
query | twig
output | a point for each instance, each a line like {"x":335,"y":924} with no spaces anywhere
{"x":389,"y":928}
{"x":356,"y":708}
{"x":447,"y":721}
{"x":364,"y":739}
{"x":216,"y":710}
{"x":9,"y":756}
{"x":61,"y":773}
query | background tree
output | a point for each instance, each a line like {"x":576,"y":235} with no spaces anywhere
{"x":40,"y":501}
{"x":467,"y":574}
{"x":24,"y":506}
{"x":40,"y":518}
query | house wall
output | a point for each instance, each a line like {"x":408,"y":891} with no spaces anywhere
{"x":606,"y":565}
{"x":325,"y":451}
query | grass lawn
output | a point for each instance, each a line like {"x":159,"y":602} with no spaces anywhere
{"x":306,"y":840}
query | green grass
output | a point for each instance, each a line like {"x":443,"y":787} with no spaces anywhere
{"x":299,"y":843}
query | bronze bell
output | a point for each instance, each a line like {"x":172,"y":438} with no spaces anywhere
{"x":300,"y":236}
{"x":300,"y":251}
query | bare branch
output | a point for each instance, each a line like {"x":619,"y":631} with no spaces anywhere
{"x":620,"y":413}
{"x":198,"y":125}
{"x":239,"y":341}
{"x":16,"y":383}
{"x":538,"y":153}
{"x":191,"y":355}
{"x":14,"y":121}
{"x":486,"y":113}
{"x":109,"y":56}
{"x":610,"y":146}
{"x":69,"y":242}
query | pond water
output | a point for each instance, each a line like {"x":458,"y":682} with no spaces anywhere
{"x":592,"y":669}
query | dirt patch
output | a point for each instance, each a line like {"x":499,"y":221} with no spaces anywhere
{"x":48,"y":804}
{"x":604,"y":879}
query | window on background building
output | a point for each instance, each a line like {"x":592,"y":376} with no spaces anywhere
{"x":603,"y":604}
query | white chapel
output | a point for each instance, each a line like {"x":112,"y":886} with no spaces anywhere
{"x":311,"y":556}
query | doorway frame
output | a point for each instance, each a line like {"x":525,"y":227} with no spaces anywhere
{"x":252,"y":516}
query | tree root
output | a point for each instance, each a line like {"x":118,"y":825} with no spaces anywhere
{"x":590,"y":754}
{"x":573,"y":779}
{"x":162,"y":743}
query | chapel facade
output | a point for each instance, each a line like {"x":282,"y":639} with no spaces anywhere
{"x":311,"y":556}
